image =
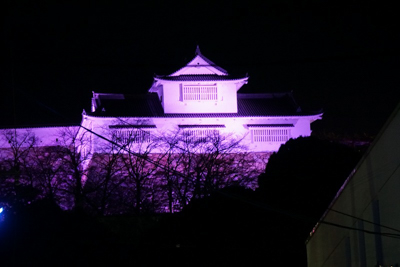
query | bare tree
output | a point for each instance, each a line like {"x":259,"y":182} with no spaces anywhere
{"x":196,"y":164}
{"x":134,"y":171}
{"x":215,"y":162}
{"x":140,"y":166}
{"x":103,"y":186}
{"x":173,"y":176}
{"x":73,"y":143}
{"x":134,"y":164}
{"x":45,"y":164}
{"x":15,"y":185}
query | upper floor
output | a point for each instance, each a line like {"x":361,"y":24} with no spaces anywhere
{"x":199,"y":87}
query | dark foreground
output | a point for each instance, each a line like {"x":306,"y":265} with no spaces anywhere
{"x":232,"y":227}
{"x":201,"y":236}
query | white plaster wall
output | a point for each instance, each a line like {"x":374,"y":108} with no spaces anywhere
{"x":195,"y":70}
{"x":236,"y":127}
{"x":46,"y":136}
{"x":198,"y":66}
{"x":302,"y":128}
{"x":226,"y":103}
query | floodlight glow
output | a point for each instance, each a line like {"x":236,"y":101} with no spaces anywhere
{"x":1,"y":209}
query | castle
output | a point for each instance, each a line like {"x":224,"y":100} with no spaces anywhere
{"x":201,"y":98}
{"x":190,"y":133}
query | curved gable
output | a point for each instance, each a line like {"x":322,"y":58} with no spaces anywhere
{"x":200,"y":65}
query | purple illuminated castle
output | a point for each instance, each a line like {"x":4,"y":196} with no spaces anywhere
{"x":201,"y":97}
{"x":191,"y":133}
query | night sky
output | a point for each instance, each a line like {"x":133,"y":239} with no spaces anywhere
{"x":341,"y":56}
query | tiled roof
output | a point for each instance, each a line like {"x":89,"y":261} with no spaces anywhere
{"x":267,"y":104}
{"x":146,"y":105}
{"x":249,"y":105}
{"x":199,"y":77}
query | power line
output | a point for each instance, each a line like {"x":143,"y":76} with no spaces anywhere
{"x":380,"y":225}
{"x":261,"y":205}
{"x":305,"y":218}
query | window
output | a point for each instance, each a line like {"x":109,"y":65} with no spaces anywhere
{"x":201,"y":135}
{"x":270,"y":135}
{"x":199,"y":92}
{"x":127,"y":133}
{"x":270,"y":132}
{"x":132,"y":136}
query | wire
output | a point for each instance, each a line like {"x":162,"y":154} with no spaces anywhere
{"x":263,"y":206}
{"x":397,"y":236}
{"x":305,"y":218}
{"x":380,"y":225}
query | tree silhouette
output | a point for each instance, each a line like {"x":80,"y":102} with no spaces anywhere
{"x":305,"y":175}
{"x":16,"y":185}
{"x":72,"y":142}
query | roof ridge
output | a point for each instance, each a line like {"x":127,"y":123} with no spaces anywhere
{"x":213,"y":64}
{"x":208,"y":61}
{"x":198,"y":52}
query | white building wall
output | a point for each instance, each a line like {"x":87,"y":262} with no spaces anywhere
{"x":302,"y":127}
{"x":173,"y":101}
{"x":45,"y":136}
{"x":236,"y":127}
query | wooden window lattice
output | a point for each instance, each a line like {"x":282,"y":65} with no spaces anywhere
{"x":201,"y":134}
{"x":133,"y":136}
{"x":270,"y":135}
{"x":199,"y":92}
